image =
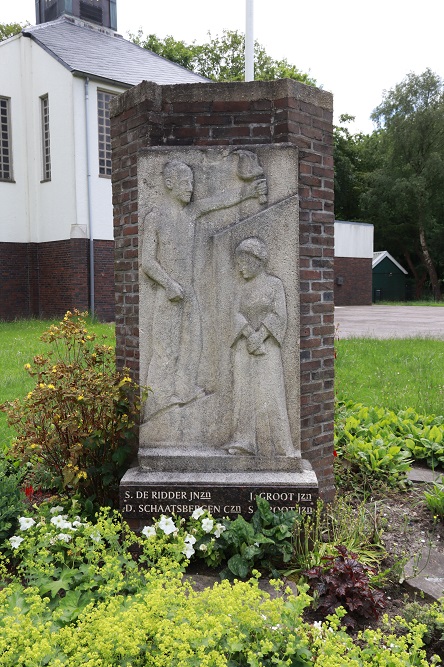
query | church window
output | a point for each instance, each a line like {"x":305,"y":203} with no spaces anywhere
{"x":5,"y":140}
{"x":104,"y":123}
{"x":46,"y":146}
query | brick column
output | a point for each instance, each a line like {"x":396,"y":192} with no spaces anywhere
{"x":234,"y":114}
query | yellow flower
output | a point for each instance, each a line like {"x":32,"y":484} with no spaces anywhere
{"x":80,"y":398}
{"x":51,"y":386}
{"x":27,"y":366}
{"x":42,"y":385}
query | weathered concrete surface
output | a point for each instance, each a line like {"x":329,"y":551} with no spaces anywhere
{"x":422,"y":474}
{"x":389,"y":321}
{"x":219,"y":304}
{"x":426,"y":574}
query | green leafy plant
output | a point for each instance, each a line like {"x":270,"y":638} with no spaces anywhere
{"x":384,"y":441}
{"x":265,"y":542}
{"x":434,"y":498}
{"x":342,"y":522}
{"x":343,"y":581}
{"x":12,"y":498}
{"x":76,"y":427}
{"x":429,"y":615}
{"x":73,"y":562}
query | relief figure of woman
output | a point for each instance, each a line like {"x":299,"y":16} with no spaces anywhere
{"x":260,"y":419}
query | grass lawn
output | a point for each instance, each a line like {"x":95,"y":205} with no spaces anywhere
{"x":392,"y":373}
{"x":19,"y":343}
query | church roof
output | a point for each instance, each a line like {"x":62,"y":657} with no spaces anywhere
{"x":87,"y":49}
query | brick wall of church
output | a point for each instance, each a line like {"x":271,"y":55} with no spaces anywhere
{"x":47,"y":279}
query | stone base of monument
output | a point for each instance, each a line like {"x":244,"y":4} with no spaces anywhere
{"x":287,"y":483}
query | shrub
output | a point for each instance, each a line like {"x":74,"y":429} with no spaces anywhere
{"x":76,"y":427}
{"x":385,"y":440}
{"x":342,"y":522}
{"x":343,"y":581}
{"x":84,"y":601}
{"x":429,"y":615}
{"x":12,"y":499}
{"x":265,"y":542}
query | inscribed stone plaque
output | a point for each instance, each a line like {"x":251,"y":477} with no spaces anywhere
{"x":219,"y":319}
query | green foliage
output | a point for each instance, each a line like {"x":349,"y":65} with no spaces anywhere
{"x":221,"y":58}
{"x":405,"y":195}
{"x":342,"y":581}
{"x":435,"y":498}
{"x":76,"y":427}
{"x":366,"y":443}
{"x":84,"y":601}
{"x":11,"y":497}
{"x":20,"y":343}
{"x":72,"y":562}
{"x":342,"y":522}
{"x":356,"y":156}
{"x":265,"y":542}
{"x":10,"y":29}
{"x":382,"y":443}
{"x":429,"y":615}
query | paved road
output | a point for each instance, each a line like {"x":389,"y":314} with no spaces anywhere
{"x":389,"y":321}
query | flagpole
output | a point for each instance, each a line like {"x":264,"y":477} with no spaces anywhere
{"x":249,"y":42}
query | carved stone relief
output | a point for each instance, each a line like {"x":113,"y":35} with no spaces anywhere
{"x":219,"y":306}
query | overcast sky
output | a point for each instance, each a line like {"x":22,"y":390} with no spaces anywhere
{"x":353,"y":48}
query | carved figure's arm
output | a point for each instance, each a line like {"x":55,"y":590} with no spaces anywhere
{"x":276,"y":319}
{"x":153,"y":269}
{"x":229,"y":198}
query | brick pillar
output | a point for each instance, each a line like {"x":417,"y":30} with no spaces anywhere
{"x":234,"y":114}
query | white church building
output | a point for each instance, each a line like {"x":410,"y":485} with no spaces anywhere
{"x":57,"y":80}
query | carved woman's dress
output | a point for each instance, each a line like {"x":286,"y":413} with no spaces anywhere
{"x":260,"y":418}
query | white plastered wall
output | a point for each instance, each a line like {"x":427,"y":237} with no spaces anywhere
{"x":14,"y":208}
{"x":101,"y":194}
{"x":36,"y":211}
{"x":353,"y":239}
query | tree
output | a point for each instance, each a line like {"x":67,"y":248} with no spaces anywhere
{"x":221,"y":58}
{"x":10,"y":29}
{"x":407,"y":192}
{"x":355,"y":157}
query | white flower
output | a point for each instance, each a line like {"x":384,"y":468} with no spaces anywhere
{"x":219,"y":530}
{"x":188,"y":550}
{"x":190,"y":539}
{"x":207,"y":525}
{"x":167,"y":525}
{"x":15,"y":541}
{"x":60,"y":521}
{"x":76,"y":524}
{"x":63,"y":537}
{"x":96,"y":537}
{"x":25,"y":522}
{"x":198,"y":513}
{"x":148,"y":531}
{"x":56,"y":510}
{"x":203,"y":547}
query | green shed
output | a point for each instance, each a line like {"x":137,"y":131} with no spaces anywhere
{"x":388,"y":278}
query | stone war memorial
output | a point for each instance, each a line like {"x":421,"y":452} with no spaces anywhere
{"x":223,"y":197}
